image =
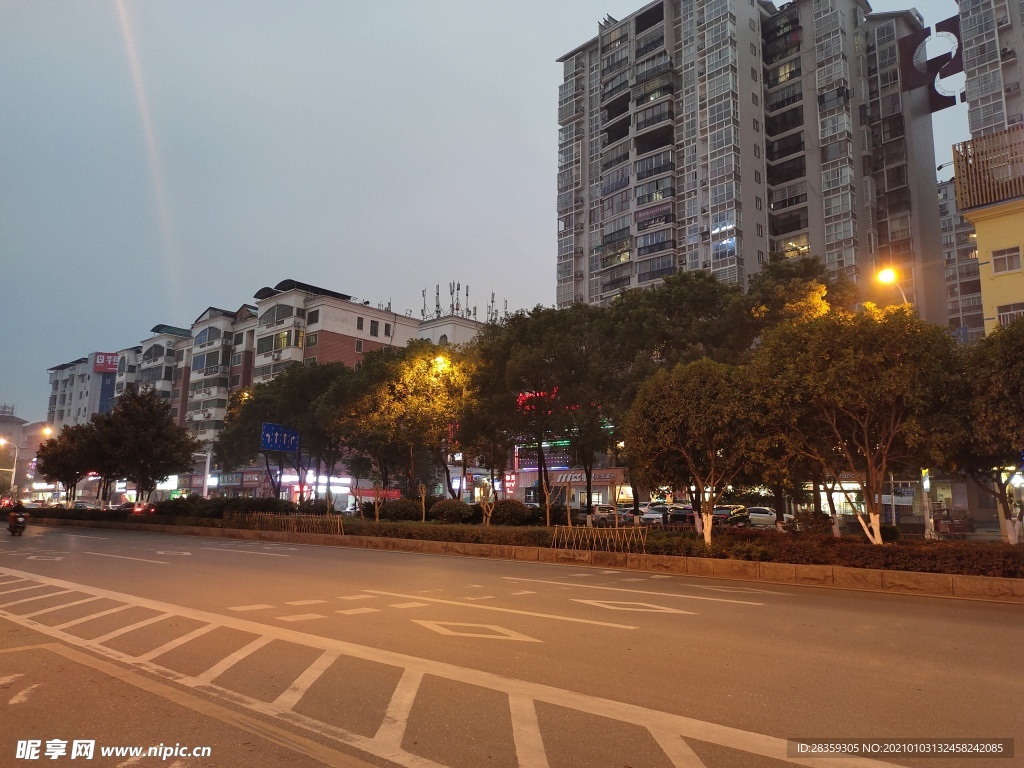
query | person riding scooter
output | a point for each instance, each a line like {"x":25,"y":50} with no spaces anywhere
{"x":17,"y":520}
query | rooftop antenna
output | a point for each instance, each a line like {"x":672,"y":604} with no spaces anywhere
{"x":423,"y":312}
{"x":458,"y":297}
{"x":451,"y":294}
{"x":437,"y":300}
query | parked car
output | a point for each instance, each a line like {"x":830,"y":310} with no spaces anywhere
{"x":139,"y":507}
{"x":755,"y":517}
{"x":654,"y":514}
{"x":953,"y":523}
{"x":86,"y":505}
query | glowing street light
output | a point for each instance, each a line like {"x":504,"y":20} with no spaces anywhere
{"x":887,"y":276}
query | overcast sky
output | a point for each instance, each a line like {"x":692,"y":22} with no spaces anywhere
{"x":190,"y":152}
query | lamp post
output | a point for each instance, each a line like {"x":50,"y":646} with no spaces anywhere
{"x":887,"y":276}
{"x":14,"y":469}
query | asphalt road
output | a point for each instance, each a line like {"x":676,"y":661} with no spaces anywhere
{"x":289,"y":655}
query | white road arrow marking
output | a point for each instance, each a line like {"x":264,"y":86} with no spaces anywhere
{"x":616,"y":605}
{"x":496,"y":632}
{"x":22,"y":697}
{"x":9,"y":679}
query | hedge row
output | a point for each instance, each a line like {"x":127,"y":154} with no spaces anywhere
{"x":961,"y":558}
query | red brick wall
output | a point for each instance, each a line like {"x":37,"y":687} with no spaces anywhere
{"x":338,"y":348}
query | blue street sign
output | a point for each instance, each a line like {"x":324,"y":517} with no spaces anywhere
{"x":274,"y":437}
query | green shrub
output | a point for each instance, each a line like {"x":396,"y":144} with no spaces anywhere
{"x":809,"y":521}
{"x":890,"y":533}
{"x":510,"y":512}
{"x":450,"y":511}
{"x":470,"y":534}
{"x":401,"y":509}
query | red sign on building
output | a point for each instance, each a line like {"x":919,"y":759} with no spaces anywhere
{"x":106,"y":362}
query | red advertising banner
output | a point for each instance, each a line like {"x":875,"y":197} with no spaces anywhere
{"x":510,"y":482}
{"x":385,"y":493}
{"x":106,"y":362}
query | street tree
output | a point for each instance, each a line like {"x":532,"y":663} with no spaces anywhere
{"x":65,"y":459}
{"x":860,"y":394}
{"x":150,"y":447}
{"x":993,"y":410}
{"x":692,"y":426}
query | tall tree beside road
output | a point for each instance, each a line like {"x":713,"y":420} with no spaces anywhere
{"x":860,"y":394}
{"x":991,"y":451}
{"x":65,"y":459}
{"x":692,"y":425}
{"x":150,"y":447}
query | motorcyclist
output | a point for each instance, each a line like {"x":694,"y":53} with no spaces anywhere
{"x":16,"y":510}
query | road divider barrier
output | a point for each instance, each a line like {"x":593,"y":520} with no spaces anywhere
{"x":625,"y":539}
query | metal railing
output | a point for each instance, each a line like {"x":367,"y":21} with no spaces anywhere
{"x":272,"y":521}
{"x":990,"y":169}
{"x":631,"y":539}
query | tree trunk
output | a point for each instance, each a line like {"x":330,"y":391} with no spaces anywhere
{"x":779,"y":504}
{"x":832,"y":511}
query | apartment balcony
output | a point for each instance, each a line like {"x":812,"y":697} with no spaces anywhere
{"x":656,"y":170}
{"x":615,"y":91}
{"x":650,"y":46}
{"x":616,"y":284}
{"x":647,"y":74}
{"x":650,"y":122}
{"x":990,"y":169}
{"x":570,"y":112}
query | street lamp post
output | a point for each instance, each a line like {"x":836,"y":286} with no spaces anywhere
{"x":14,"y":468}
{"x":888,"y":277}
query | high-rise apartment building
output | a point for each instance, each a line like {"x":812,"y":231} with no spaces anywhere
{"x":992,"y":36}
{"x":720,"y":134}
{"x":81,"y":388}
{"x":963,"y":282}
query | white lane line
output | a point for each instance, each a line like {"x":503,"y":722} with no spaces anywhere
{"x":356,"y":611}
{"x":677,"y":750}
{"x":91,"y":616}
{"x":393,"y":728}
{"x":59,"y":607}
{"x":661,"y":577}
{"x":617,"y":605}
{"x":244,"y":551}
{"x":83,"y":536}
{"x":495,"y":633}
{"x":611,"y":571}
{"x":526,"y":734}
{"x":305,"y":602}
{"x":163,"y":552}
{"x":21,"y":589}
{"x":524,"y":592}
{"x":37,"y":597}
{"x":357,"y":597}
{"x":298,"y":688}
{"x":176,"y":642}
{"x":301,"y":617}
{"x":636,"y":591}
{"x":22,"y":697}
{"x":130,"y":628}
{"x":228,"y":662}
{"x":45,"y":557}
{"x":125,"y":557}
{"x":581,"y":575}
{"x":484,"y":597}
{"x":10,"y":678}
{"x":507,"y":610}
{"x":12,"y":581}
{"x":408,"y":605}
{"x":258,"y":607}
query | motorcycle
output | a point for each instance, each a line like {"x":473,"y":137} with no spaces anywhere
{"x":16,"y":523}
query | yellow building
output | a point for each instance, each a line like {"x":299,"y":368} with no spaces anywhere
{"x":990,"y":194}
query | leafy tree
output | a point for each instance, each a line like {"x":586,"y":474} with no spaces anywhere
{"x":65,"y":459}
{"x":150,"y":446}
{"x":692,"y":425}
{"x":990,"y":451}
{"x":863,"y":394}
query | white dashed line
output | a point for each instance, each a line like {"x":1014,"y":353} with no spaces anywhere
{"x":357,"y":597}
{"x":244,"y":551}
{"x":301,"y":617}
{"x":635,"y":591}
{"x":304,"y":602}
{"x":355,"y":611}
{"x":123,"y":557}
{"x":259,"y":607}
{"x":408,"y":605}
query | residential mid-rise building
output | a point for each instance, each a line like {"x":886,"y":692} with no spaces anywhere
{"x":81,"y":388}
{"x":720,"y":134}
{"x":990,"y":192}
{"x":963,"y":283}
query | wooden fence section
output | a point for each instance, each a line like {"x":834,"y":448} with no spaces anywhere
{"x":990,"y":169}
{"x":272,"y":521}
{"x":629,"y":539}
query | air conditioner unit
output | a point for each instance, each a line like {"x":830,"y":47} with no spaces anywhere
{"x":276,"y":356}
{"x":206,"y":414}
{"x":189,"y":417}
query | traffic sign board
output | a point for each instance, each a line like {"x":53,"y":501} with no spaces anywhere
{"x":274,"y":437}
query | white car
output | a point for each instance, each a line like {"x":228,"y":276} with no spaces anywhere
{"x":764,"y":517}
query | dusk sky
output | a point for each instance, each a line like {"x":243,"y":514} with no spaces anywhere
{"x":159,"y":158}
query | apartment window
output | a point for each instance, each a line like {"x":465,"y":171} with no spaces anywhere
{"x":757,"y":150}
{"x":757,"y":177}
{"x":387,"y":330}
{"x":236,"y":359}
{"x":359,"y":323}
{"x":309,"y":361}
{"x":760,"y":257}
{"x":235,"y":380}
{"x":753,"y":98}
{"x":1006,"y":260}
{"x":313,"y":317}
{"x":239,"y":338}
{"x":753,"y":74}
{"x":760,"y":230}
{"x":753,"y":50}
{"x":374,"y":328}
{"x":311,"y":340}
{"x":359,"y":345}
{"x":758,"y":204}
{"x":757,"y":125}
{"x":274,"y":314}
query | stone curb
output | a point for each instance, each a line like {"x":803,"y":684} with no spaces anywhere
{"x":835,"y":576}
